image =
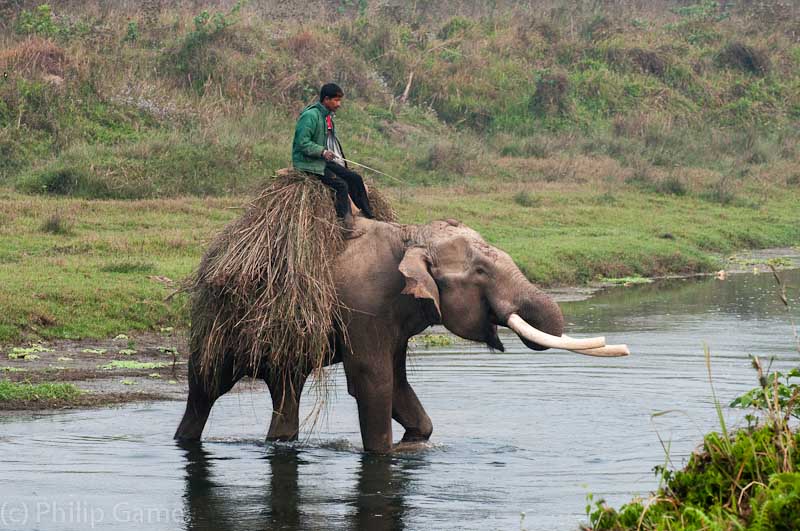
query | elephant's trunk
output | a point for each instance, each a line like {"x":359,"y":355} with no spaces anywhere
{"x":539,"y":312}
{"x":539,"y":323}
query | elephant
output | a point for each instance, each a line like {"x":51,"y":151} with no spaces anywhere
{"x":395,"y":281}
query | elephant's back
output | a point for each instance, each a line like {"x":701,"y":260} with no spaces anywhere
{"x":366,"y":273}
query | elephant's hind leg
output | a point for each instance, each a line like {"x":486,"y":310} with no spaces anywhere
{"x":201,"y":399}
{"x":285,"y":388}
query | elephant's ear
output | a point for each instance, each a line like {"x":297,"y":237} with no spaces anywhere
{"x":420,"y":283}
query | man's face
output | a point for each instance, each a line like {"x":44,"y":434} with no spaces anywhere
{"x":332,"y":104}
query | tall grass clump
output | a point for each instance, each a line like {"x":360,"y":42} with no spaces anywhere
{"x":748,"y":479}
{"x":58,"y":224}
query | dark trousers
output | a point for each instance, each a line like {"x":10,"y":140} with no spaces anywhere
{"x":346,"y":183}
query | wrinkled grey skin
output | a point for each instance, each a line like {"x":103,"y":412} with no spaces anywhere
{"x":397,"y":280}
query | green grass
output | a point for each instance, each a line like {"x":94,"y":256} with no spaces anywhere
{"x":96,"y":285}
{"x":625,"y":281}
{"x":37,"y":392}
{"x":575,"y":235}
{"x":434,"y":340}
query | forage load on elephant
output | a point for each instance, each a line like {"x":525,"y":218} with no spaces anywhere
{"x":280,"y":295}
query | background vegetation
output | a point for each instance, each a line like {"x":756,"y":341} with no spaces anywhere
{"x":589,"y":139}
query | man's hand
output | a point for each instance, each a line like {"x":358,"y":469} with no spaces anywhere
{"x":327,"y":154}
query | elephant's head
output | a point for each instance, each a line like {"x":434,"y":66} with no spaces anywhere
{"x":471,"y":287}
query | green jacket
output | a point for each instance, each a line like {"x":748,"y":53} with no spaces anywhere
{"x":309,"y":139}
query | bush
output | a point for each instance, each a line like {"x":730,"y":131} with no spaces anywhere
{"x":454,"y":27}
{"x":526,"y":199}
{"x":188,"y":58}
{"x":721,"y":192}
{"x":671,"y":185}
{"x":552,"y":95}
{"x":37,"y":22}
{"x":57,"y":181}
{"x":450,"y":157}
{"x":746,"y":58}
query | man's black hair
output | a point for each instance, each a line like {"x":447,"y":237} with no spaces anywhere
{"x":330,"y":90}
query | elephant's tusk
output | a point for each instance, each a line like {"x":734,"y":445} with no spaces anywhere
{"x":608,"y":351}
{"x":523,"y":329}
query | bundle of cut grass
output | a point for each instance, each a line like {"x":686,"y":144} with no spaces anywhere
{"x":262,"y":293}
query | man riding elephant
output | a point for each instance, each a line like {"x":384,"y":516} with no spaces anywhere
{"x":317,"y":151}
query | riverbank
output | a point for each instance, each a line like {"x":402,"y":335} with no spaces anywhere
{"x":62,"y":374}
{"x":92,"y":269}
{"x":91,"y":287}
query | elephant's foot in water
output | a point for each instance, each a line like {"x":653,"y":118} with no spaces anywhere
{"x":201,"y":399}
{"x":282,"y":429}
{"x":411,"y":446}
{"x":285,"y":393}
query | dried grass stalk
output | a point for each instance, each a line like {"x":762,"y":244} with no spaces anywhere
{"x":264,"y":292}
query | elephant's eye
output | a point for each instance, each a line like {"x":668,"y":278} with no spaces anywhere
{"x":481,"y":271}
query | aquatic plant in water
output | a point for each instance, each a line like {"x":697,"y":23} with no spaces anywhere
{"x":434,"y":340}
{"x":28,"y":353}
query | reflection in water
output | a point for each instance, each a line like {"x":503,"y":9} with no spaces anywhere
{"x":377,"y":503}
{"x":380,"y":492}
{"x":202,"y":511}
{"x":214,"y":506}
{"x":284,"y":497}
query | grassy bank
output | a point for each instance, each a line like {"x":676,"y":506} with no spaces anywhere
{"x":143,"y":101}
{"x":75,"y":268}
{"x":16,"y":395}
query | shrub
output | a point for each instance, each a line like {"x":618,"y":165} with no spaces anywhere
{"x":132,"y":33}
{"x":61,"y":180}
{"x":597,"y":28}
{"x":189,"y":57}
{"x":526,"y":147}
{"x":454,"y":27}
{"x":744,"y":57}
{"x":552,"y":95}
{"x":648,"y":61}
{"x":671,"y":185}
{"x":37,"y":22}
{"x":721,"y":192}
{"x":451,"y":157}
{"x":526,"y":199}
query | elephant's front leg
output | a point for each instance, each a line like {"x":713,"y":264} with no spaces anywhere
{"x":406,"y":407}
{"x":370,"y":382}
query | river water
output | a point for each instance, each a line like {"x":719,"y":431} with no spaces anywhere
{"x":519,"y":440}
